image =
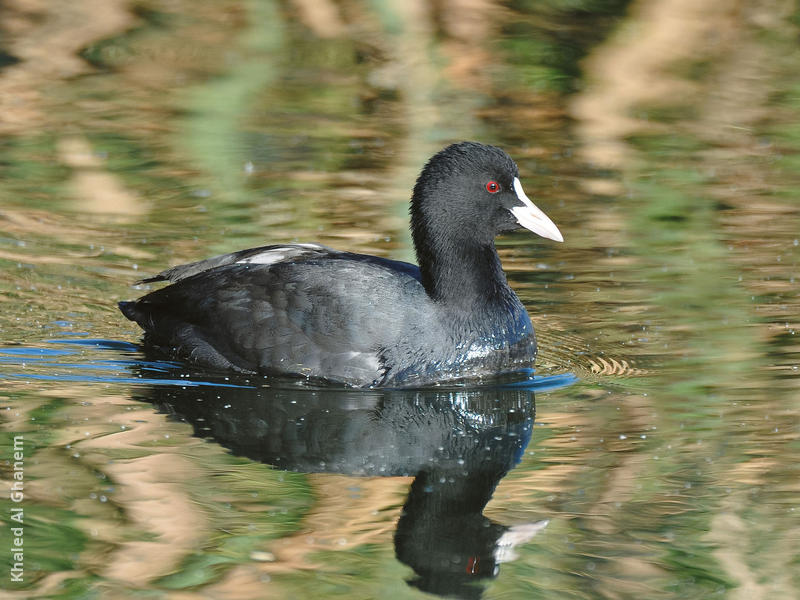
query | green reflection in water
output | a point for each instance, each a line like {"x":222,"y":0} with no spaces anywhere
{"x":675,"y":475}
{"x":217,"y":107}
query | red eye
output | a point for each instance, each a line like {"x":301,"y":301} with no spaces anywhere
{"x":492,"y":187}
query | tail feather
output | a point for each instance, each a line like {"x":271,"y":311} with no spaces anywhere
{"x":128,"y":308}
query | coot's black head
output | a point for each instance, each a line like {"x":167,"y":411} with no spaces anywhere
{"x":467,"y":194}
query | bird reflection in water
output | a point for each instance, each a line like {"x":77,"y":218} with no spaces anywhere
{"x":457,"y":443}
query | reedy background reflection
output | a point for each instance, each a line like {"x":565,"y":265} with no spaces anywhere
{"x":660,"y":135}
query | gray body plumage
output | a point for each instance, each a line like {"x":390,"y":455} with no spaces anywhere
{"x":308,"y":310}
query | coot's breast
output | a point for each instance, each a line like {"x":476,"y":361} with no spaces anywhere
{"x":494,"y":341}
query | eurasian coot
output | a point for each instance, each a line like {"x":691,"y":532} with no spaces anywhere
{"x":308,"y":310}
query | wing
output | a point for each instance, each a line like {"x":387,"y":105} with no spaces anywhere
{"x":261,"y":255}
{"x":320,"y":313}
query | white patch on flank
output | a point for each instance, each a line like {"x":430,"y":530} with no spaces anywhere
{"x":532,"y":218}
{"x":478,"y":351}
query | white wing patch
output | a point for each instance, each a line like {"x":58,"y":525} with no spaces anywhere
{"x":281,"y":253}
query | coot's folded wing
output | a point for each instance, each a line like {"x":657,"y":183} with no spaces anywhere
{"x":261,"y":255}
{"x":323,"y":315}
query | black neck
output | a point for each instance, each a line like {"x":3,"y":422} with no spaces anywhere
{"x":462,"y":272}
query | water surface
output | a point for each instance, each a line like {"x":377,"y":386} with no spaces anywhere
{"x":653,"y":455}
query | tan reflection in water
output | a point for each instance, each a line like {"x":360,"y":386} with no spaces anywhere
{"x":150,"y":490}
{"x":95,"y":190}
{"x":47,"y":42}
{"x":148,"y":523}
{"x":321,"y":16}
{"x":633,"y":69}
{"x":729,"y":528}
{"x":344,"y":517}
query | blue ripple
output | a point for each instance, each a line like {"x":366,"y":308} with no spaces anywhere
{"x":545,"y":384}
{"x":99,"y":343}
{"x":28,"y":351}
{"x":100,"y":379}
